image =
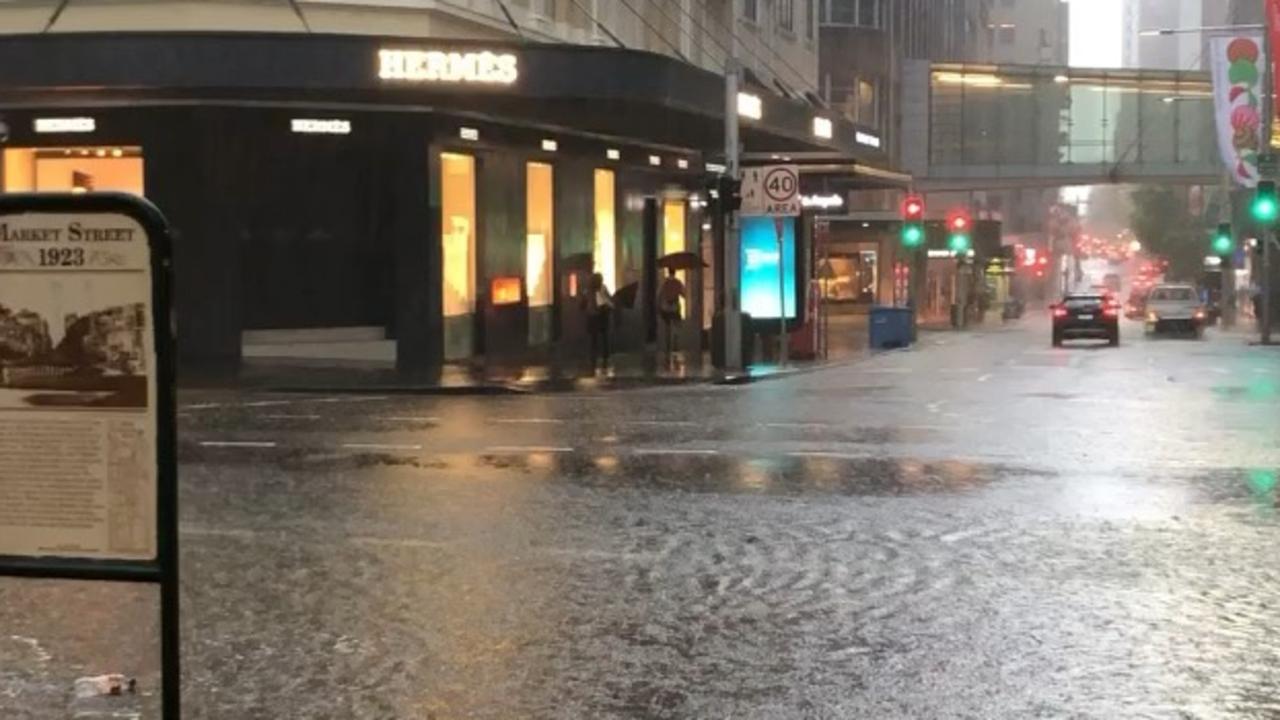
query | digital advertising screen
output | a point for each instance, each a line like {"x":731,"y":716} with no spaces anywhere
{"x":760,"y":267}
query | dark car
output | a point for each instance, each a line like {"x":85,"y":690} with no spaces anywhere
{"x":1086,"y":316}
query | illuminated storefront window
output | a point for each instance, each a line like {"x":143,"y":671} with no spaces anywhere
{"x":673,"y":237}
{"x":458,"y":246}
{"x":605,"y":251}
{"x":73,"y":169}
{"x":539,"y":230}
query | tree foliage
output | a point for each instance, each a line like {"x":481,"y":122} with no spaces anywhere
{"x":1164,"y":224}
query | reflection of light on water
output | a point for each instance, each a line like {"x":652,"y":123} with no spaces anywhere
{"x":755,"y":473}
{"x":607,"y":463}
{"x":1261,"y":482}
{"x":541,"y":460}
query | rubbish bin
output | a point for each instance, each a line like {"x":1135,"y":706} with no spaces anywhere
{"x":890,"y":327}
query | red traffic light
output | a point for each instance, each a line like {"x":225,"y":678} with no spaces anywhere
{"x":913,"y":208}
{"x":958,"y":221}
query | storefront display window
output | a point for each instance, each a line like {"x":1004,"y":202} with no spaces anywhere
{"x":539,"y":231}
{"x":673,"y":235}
{"x":854,"y":277}
{"x":605,"y":251}
{"x":73,"y":169}
{"x":457,"y":232}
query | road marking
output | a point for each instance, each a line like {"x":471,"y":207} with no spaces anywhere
{"x":673,"y":451}
{"x":364,"y":399}
{"x":985,"y":378}
{"x":797,"y":425}
{"x":518,"y":449}
{"x":237,"y":443}
{"x":379,"y":446}
{"x":202,"y":406}
{"x":527,"y":421}
{"x":934,"y":407}
{"x":426,"y":419}
{"x":661,"y":423}
{"x":829,"y":455}
{"x":959,"y":371}
{"x":267,"y":403}
{"x":291,"y":417}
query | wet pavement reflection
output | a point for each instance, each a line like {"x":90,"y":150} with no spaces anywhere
{"x":1024,"y":546}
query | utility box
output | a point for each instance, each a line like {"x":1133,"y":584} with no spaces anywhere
{"x":890,"y":327}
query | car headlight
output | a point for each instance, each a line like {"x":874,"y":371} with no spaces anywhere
{"x":1153,"y":317}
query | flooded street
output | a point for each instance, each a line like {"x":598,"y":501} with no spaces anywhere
{"x":940,"y":533}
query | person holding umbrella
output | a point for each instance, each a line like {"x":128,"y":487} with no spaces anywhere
{"x":671,"y":294}
{"x":599,"y":305}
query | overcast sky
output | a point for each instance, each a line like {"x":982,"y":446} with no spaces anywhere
{"x":1096,"y":32}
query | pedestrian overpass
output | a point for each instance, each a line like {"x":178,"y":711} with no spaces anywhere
{"x":987,"y":127}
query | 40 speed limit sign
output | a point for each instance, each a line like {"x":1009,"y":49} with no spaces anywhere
{"x":772,"y":190}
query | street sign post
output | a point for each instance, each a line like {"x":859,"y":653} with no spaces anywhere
{"x":87,"y":455}
{"x":774,"y":191}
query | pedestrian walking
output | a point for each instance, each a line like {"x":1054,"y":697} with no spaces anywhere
{"x":599,"y":311}
{"x":669,"y":296}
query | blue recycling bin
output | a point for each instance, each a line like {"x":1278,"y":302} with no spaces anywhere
{"x":890,"y":327}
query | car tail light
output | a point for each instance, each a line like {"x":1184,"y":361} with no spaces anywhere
{"x":1111,"y":311}
{"x":1059,"y":312}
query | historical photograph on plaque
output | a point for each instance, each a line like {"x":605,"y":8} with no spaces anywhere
{"x":77,"y":387}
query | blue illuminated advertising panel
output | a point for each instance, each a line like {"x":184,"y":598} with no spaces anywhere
{"x":760,"y":267}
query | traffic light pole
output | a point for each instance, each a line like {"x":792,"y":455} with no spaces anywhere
{"x":732,"y":314}
{"x":1268,"y":240}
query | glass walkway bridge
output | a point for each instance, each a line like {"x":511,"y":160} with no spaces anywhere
{"x":989,"y":126}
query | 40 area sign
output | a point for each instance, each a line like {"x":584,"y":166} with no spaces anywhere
{"x":771,"y":190}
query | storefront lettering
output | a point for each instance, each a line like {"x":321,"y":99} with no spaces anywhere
{"x":454,"y":67}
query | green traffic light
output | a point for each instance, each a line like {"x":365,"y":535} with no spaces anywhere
{"x":1265,"y":209}
{"x":1222,"y":245}
{"x":912,"y":236}
{"x":959,"y":243}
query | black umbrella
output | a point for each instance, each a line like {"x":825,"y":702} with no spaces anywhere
{"x":685,"y":260}
{"x":626,"y":295}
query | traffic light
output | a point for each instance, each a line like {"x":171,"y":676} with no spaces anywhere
{"x":959,"y":227}
{"x":912,"y":222}
{"x":1266,"y":207}
{"x":1223,"y":244}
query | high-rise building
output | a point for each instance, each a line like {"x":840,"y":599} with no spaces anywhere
{"x":864,"y":43}
{"x":1029,"y":32}
{"x":1180,"y":51}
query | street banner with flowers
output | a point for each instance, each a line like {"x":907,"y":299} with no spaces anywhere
{"x":1237,"y":65}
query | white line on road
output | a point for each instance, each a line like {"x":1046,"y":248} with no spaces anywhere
{"x":291,"y":417}
{"x":829,"y":455}
{"x":423,"y":419}
{"x":797,"y":425}
{"x":528,"y":421}
{"x":379,"y":446}
{"x":267,"y":403}
{"x":237,"y":443}
{"x":985,"y":378}
{"x":673,"y":451}
{"x":959,"y":371}
{"x":518,"y":449}
{"x":934,"y":407}
{"x":660,"y":423}
{"x":201,"y":406}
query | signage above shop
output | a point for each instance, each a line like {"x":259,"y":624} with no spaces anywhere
{"x":750,"y":106}
{"x":313,"y":126}
{"x":823,"y":128}
{"x":865,"y":138}
{"x":65,"y":125}
{"x":483,"y":68}
{"x":822,"y":202}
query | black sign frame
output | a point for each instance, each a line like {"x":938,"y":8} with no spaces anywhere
{"x":163,"y":569}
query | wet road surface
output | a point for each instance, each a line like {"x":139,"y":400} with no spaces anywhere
{"x":984,"y":527}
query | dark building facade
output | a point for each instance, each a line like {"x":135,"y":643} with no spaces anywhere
{"x":452,"y":197}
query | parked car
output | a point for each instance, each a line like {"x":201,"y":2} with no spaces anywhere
{"x":1175,"y":308}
